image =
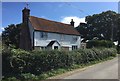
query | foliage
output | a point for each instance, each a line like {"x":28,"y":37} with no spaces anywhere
{"x":6,"y":55}
{"x":83,"y":30}
{"x":118,"y":35}
{"x":100,"y":43}
{"x":10,"y":36}
{"x":0,"y":43}
{"x":26,"y":65}
{"x":103,"y":26}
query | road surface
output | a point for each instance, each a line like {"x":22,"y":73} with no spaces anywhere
{"x":105,"y":70}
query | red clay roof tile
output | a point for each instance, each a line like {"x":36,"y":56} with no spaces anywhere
{"x":41,"y":24}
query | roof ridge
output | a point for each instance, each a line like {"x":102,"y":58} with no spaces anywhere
{"x":50,"y":20}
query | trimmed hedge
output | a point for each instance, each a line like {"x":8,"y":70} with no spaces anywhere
{"x":100,"y":43}
{"x":17,"y":62}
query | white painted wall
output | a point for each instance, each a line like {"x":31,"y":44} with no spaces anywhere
{"x":64,"y":40}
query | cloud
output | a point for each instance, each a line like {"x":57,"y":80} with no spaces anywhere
{"x":1,"y":29}
{"x":76,"y":19}
{"x":0,"y":32}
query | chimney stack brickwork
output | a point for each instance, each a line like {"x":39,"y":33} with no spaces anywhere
{"x":25,"y":40}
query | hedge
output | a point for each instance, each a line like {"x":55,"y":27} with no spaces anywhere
{"x":100,"y":43}
{"x":16,"y":62}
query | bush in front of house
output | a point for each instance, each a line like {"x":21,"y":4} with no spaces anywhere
{"x":100,"y":43}
{"x":22,"y":64}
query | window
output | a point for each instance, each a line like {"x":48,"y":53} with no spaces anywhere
{"x":74,"y":47}
{"x":62,"y":37}
{"x":74,"y":38}
{"x":43,"y":35}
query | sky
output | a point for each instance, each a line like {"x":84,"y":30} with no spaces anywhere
{"x":56,"y":11}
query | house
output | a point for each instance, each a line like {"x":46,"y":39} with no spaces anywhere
{"x":38,"y":33}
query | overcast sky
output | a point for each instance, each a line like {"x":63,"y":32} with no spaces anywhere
{"x":56,"y":11}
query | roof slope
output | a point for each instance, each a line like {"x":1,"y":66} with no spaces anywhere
{"x":52,"y":26}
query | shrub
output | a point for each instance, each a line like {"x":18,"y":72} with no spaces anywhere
{"x":27,"y":65}
{"x":29,"y":77}
{"x":6,"y":67}
{"x":11,"y":79}
{"x":100,"y":43}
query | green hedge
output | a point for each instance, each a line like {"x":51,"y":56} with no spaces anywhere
{"x":17,"y":62}
{"x":100,"y":43}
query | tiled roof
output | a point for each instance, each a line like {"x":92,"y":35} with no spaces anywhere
{"x":41,"y":24}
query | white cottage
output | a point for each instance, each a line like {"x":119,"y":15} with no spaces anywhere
{"x":38,"y":33}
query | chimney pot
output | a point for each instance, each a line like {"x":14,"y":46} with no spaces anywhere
{"x":72,"y":22}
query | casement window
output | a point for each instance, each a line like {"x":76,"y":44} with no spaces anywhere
{"x":74,"y":47}
{"x":74,"y":38}
{"x":43,"y":35}
{"x":62,"y":37}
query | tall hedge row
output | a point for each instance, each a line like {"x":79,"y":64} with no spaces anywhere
{"x":100,"y":43}
{"x":19,"y":61}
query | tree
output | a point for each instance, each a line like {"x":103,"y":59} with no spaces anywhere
{"x":103,"y":26}
{"x":118,"y":34}
{"x":0,"y":42}
{"x":82,"y":28}
{"x":11,"y":34}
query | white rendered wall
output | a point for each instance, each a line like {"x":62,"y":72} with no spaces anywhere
{"x":64,"y":40}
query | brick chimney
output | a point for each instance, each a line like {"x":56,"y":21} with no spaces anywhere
{"x":25,"y":40}
{"x":25,"y":15}
{"x":72,"y":22}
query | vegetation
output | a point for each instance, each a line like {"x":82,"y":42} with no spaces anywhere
{"x":103,"y":26}
{"x":24,"y":65}
{"x":100,"y":43}
{"x":0,"y":43}
{"x":10,"y":36}
{"x":118,"y":35}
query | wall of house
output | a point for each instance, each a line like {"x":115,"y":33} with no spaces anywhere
{"x":64,"y":40}
{"x":55,"y":44}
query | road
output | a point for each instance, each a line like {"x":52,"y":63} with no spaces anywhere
{"x":105,"y":70}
